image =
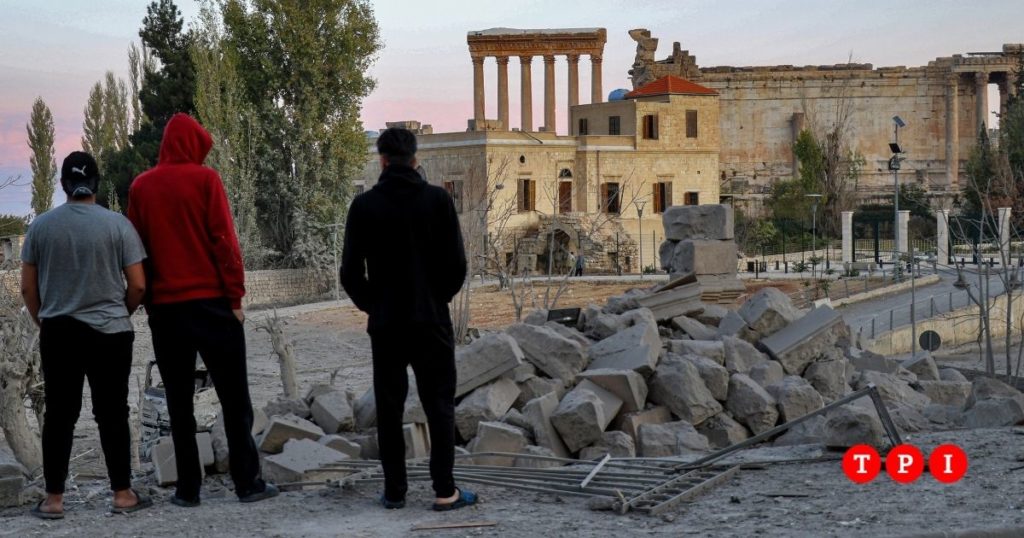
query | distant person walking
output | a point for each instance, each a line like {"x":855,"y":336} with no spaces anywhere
{"x":580,"y":262}
{"x":75,"y":262}
{"x":196,"y":282}
{"x":403,"y":262}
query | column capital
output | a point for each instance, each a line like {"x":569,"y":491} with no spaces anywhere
{"x":478,"y":59}
{"x":981,"y":77}
{"x":502,"y":60}
{"x":953,"y":78}
{"x":526,"y":60}
{"x":573,"y":58}
{"x":549,"y":58}
{"x":595,"y":58}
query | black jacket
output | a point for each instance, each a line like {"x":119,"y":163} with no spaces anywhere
{"x":403,"y":259}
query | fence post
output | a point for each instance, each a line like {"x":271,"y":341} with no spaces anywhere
{"x":891,"y":316}
{"x":846,"y":282}
{"x":873,"y":318}
{"x":950,"y":301}
{"x":931,"y":301}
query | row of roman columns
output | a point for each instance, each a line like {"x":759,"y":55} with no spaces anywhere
{"x":526,"y":88}
{"x":981,"y":80}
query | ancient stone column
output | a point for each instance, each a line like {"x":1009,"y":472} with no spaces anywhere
{"x":478,"y":92}
{"x":847,"y":218}
{"x":549,"y":94}
{"x":980,"y":101}
{"x":574,"y":85}
{"x":526,"y":96}
{"x":596,"y":93}
{"x":902,"y":245}
{"x":952,"y":131}
{"x":503,"y":91}
{"x":1011,"y":83}
{"x":1004,"y":234}
{"x":942,"y":236}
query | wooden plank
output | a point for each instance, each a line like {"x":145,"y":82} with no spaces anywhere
{"x":441,"y":525}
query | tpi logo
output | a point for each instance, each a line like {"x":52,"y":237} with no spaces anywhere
{"x":905,"y":463}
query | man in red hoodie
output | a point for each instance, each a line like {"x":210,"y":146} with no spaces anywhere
{"x":196,"y":281}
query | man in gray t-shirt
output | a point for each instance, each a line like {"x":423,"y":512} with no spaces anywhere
{"x":82,"y":278}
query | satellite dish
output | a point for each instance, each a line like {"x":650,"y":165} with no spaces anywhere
{"x":930,"y":341}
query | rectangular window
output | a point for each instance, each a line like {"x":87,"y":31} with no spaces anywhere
{"x":583,"y":129}
{"x":454,"y":188}
{"x":651,"y":127}
{"x":526,"y":195}
{"x":692,"y":198}
{"x":691,"y":124}
{"x":611,"y":198}
{"x":613,"y":125}
{"x":662,"y":196}
{"x":565,"y":197}
{"x":359,"y":189}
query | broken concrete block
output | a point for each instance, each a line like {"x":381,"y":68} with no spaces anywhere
{"x":808,"y":432}
{"x":712,"y":315}
{"x":283,"y":428}
{"x":165,"y":466}
{"x":583,"y":415}
{"x":332,"y":412}
{"x":12,"y":479}
{"x":483,"y":361}
{"x":767,"y":311}
{"x":893,"y":390}
{"x":620,"y":304}
{"x":908,"y":419}
{"x":536,"y":463}
{"x":206,"y":408}
{"x":364,"y":409}
{"x":670,"y":439}
{"x":751,"y":405}
{"x":800,"y":342}
{"x":219,"y":439}
{"x":952,"y":393}
{"x":677,"y":385}
{"x":828,"y":377}
{"x":486,"y":403}
{"x":618,"y":444}
{"x":714,"y":350}
{"x":701,"y":257}
{"x":866,"y":360}
{"x":298,"y":457}
{"x":260,"y":421}
{"x":852,"y":425}
{"x":497,"y":437}
{"x":570,"y":333}
{"x":536,"y":317}
{"x":282,"y":406}
{"x":733,"y":325}
{"x":317,"y":390}
{"x":628,"y":385}
{"x":723,"y":431}
{"x":537,"y":413}
{"x":550,"y":352}
{"x":368,"y":449}
{"x":536,"y":387}
{"x":674,"y":302}
{"x":715,"y":376}
{"x":795,"y":397}
{"x":986,"y":388}
{"x":766,"y":373}
{"x":694,"y":328}
{"x":417,"y":441}
{"x":924,"y":367}
{"x":521,"y":373}
{"x":948,"y":416}
{"x":205,"y":444}
{"x":951,"y":374}
{"x":350,"y":448}
{"x":600,"y":325}
{"x":513,"y":417}
{"x":636,"y":348}
{"x":710,"y":221}
{"x":996,"y":412}
{"x":740,"y":355}
{"x":631,"y":422}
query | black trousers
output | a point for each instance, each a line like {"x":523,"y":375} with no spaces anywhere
{"x":72,"y":352}
{"x":207,"y":327}
{"x":430,"y":349}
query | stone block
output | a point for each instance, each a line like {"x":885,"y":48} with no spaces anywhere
{"x":627,"y":385}
{"x":219,"y":439}
{"x":206,"y":408}
{"x":767,"y":311}
{"x":205,"y":444}
{"x":260,"y":421}
{"x":670,"y":439}
{"x":710,"y":221}
{"x":996,"y":412}
{"x":521,"y":373}
{"x":924,"y":368}
{"x":351,"y":449}
{"x":712,"y":315}
{"x":298,"y":457}
{"x":537,"y":412}
{"x":636,"y":348}
{"x":550,"y":352}
{"x":282,"y":406}
{"x":599,"y":325}
{"x":952,"y":393}
{"x":332,"y":412}
{"x":497,"y":437}
{"x":951,"y":374}
{"x":9,"y":465}
{"x":618,"y":444}
{"x":852,"y":425}
{"x":694,"y":329}
{"x":714,"y":350}
{"x":808,"y":432}
{"x":536,"y":317}
{"x":536,"y":463}
{"x":866,"y":360}
{"x":631,"y":422}
{"x":165,"y":466}
{"x":536,"y":387}
{"x":364,"y":410}
{"x":417,"y":441}
{"x":673,"y":302}
{"x":751,"y":405}
{"x":893,"y":390}
{"x":368,"y":449}
{"x":486,"y":403}
{"x":702,"y":257}
{"x":583,"y":415}
{"x":317,"y":390}
{"x":947,"y":416}
{"x":740,"y":355}
{"x":714,"y":375}
{"x":802,"y":341}
{"x":12,"y":479}
{"x":723,"y":431}
{"x":513,"y":417}
{"x":767,"y":372}
{"x":677,"y":385}
{"x":733,"y":325}
{"x":795,"y":397}
{"x":620,"y":304}
{"x":485,"y":360}
{"x":986,"y":388}
{"x":828,"y":377}
{"x":570,"y":333}
{"x":283,"y":428}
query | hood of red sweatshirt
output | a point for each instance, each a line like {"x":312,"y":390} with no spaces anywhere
{"x":185,"y":141}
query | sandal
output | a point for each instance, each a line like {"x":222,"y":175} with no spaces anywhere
{"x":466,"y":498}
{"x":142,"y":502}
{"x":39,"y":513}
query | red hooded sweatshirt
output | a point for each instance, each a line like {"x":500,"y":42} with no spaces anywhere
{"x":181,"y":213}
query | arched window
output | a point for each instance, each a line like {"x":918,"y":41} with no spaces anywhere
{"x":565,"y":173}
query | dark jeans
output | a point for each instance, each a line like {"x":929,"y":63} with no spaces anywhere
{"x":431,"y":352}
{"x":206,"y":326}
{"x":72,"y":352}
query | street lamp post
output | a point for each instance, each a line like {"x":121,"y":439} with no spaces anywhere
{"x":894,"y":165}
{"x":640,"y":221}
{"x":814,"y":232}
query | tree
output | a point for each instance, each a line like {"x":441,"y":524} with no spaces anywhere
{"x":93,"y":139}
{"x":44,"y":166}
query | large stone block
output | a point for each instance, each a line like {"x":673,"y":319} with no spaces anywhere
{"x":631,"y":422}
{"x":711,"y":221}
{"x":828,"y":377}
{"x":924,"y":367}
{"x":694,"y":329}
{"x":740,"y":355}
{"x":351,"y":449}
{"x":550,"y":352}
{"x":795,"y":397}
{"x":165,"y":466}
{"x":485,"y":360}
{"x":677,"y":385}
{"x":282,"y":406}
{"x":866,"y":360}
{"x":808,"y":432}
{"x":628,"y":385}
{"x":417,"y":441}
{"x":497,"y":437}
{"x":673,"y":302}
{"x":987,"y":388}
{"x":12,"y":479}
{"x":537,"y":413}
{"x":332,"y":412}
{"x":852,"y":425}
{"x":701,"y":257}
{"x":583,"y":415}
{"x":671,"y":439}
{"x":618,"y":444}
{"x":715,"y":376}
{"x":767,"y":372}
{"x":364,"y":410}
{"x":951,"y":374}
{"x":485,"y":404}
{"x":636,"y":348}
{"x":994,"y":412}
{"x":952,"y":393}
{"x":893,"y":390}
{"x":751,"y":404}
{"x":804,"y":340}
{"x":723,"y":431}
{"x":298,"y":457}
{"x":767,"y":311}
{"x":535,"y":387}
{"x":570,"y":333}
{"x":281,"y":429}
{"x":219,"y":439}
{"x":714,"y":350}
{"x":712,"y":315}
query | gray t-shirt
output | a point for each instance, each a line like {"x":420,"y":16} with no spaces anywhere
{"x":81,"y":251}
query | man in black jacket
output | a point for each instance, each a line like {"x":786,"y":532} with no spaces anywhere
{"x":403,"y":262}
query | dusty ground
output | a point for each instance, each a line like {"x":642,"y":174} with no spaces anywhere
{"x":794,"y":500}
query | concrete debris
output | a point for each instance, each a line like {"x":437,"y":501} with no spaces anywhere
{"x":536,"y":317}
{"x":866,"y":360}
{"x":795,"y":397}
{"x":996,"y":412}
{"x":618,"y":444}
{"x":636,"y":348}
{"x":740,"y":355}
{"x":599,"y":325}
{"x":700,"y":257}
{"x":678,"y":301}
{"x":924,"y":367}
{"x":987,"y":388}
{"x":521,"y":373}
{"x":350,"y":448}
{"x":951,"y":374}
{"x":417,"y":441}
{"x":714,"y":350}
{"x":711,"y":221}
{"x":947,"y":416}
{"x":694,"y":329}
{"x":485,"y":360}
{"x":712,"y":315}
{"x":283,"y":428}
{"x":536,"y":387}
{"x":630,"y":422}
{"x":317,"y":390}
{"x":165,"y":466}
{"x":364,"y":410}
{"x":893,"y":390}
{"x":951,"y":393}
{"x":828,"y":377}
{"x":206,"y":408}
{"x":537,"y":413}
{"x":282,"y":406}
{"x":219,"y":440}
{"x":677,"y":385}
{"x":670,"y":439}
{"x":733,"y":325}
{"x":550,"y":352}
{"x":627,"y":385}
{"x":497,"y":437}
{"x":205,"y":444}
{"x":751,"y":405}
{"x":332,"y":412}
{"x":414,"y":411}
{"x":570,"y":333}
{"x":808,"y":432}
{"x":368,"y":448}
{"x":12,"y":479}
{"x":768,"y":311}
{"x":513,"y":417}
{"x":766,"y":373}
{"x":297,"y":458}
{"x":799,"y":342}
{"x":486,"y":403}
{"x":853,"y":425}
{"x":623,"y":303}
{"x":533,"y":463}
{"x":714,"y":375}
{"x":583,"y":415}
{"x":723,"y":431}
{"x":908,"y":419}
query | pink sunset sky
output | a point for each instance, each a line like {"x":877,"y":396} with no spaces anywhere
{"x":57,"y":49}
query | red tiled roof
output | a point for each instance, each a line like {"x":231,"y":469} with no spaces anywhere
{"x":670,"y":86}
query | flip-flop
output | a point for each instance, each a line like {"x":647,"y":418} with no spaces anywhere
{"x":37,"y":511}
{"x":466,"y":498}
{"x":143,"y":502}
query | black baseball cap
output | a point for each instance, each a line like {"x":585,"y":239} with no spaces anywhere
{"x":79,"y":175}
